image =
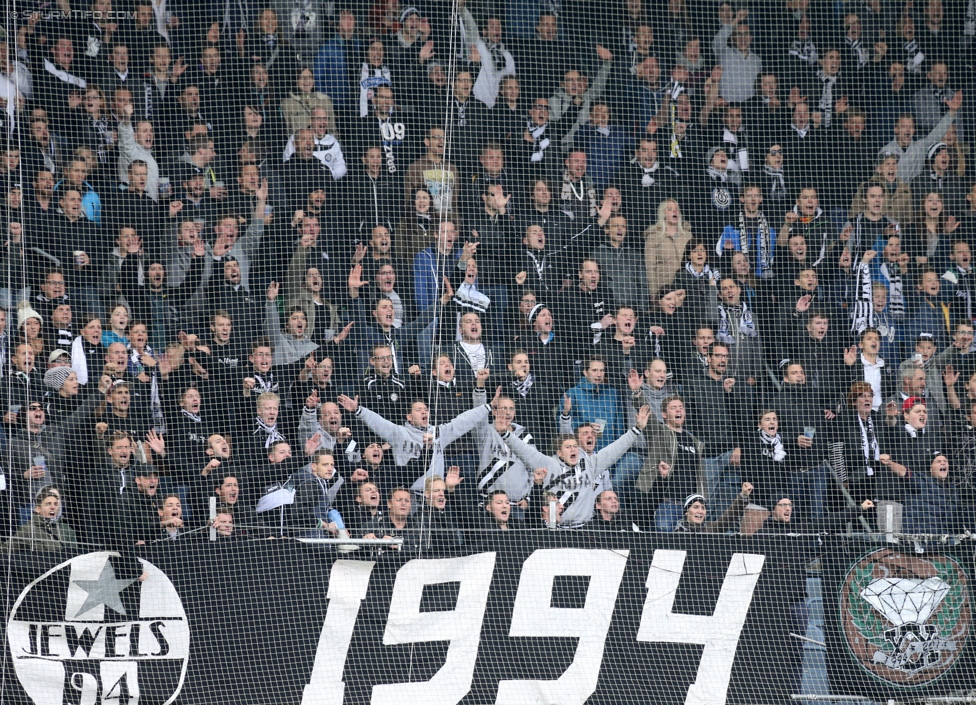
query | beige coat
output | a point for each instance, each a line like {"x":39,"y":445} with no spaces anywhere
{"x":297,"y":110}
{"x":662,"y":256}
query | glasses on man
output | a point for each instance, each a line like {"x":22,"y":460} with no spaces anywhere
{"x":382,"y":358}
{"x":774,"y":152}
{"x":784,"y":504}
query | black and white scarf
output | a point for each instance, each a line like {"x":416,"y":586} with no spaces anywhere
{"x":734,"y":322}
{"x":522,"y":386}
{"x":647,"y":178}
{"x":706,"y":272}
{"x":539,"y":141}
{"x":862,"y":308}
{"x":717,"y":175}
{"x":263,"y":385}
{"x":857,"y":48}
{"x":826,"y":104}
{"x":64,"y":76}
{"x":804,"y":50}
{"x":273,"y":435}
{"x":869,"y":443}
{"x":764,"y":240}
{"x":896,"y":294}
{"x":195,"y":418}
{"x":460,"y":108}
{"x":370,"y":78}
{"x":915,"y":57}
{"x":772,"y":446}
{"x":581,"y":192}
{"x":777,"y":187}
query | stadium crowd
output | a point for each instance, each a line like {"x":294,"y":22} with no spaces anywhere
{"x":307,"y":266}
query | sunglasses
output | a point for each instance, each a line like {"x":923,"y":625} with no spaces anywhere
{"x":775,"y":152}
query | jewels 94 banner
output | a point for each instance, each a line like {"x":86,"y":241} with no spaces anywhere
{"x":547,"y":617}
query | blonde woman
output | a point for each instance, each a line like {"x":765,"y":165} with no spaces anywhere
{"x":664,"y":245}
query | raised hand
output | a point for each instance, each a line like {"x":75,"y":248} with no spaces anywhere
{"x":635,"y":380}
{"x":643,"y":416}
{"x":448,"y":292}
{"x":453,"y":478}
{"x":955,"y":102}
{"x":355,"y":280}
{"x":360,"y":252}
{"x":603,"y":53}
{"x":272,"y":291}
{"x":312,"y":444}
{"x":359,"y":475}
{"x":350,"y":405}
{"x":156,"y":442}
{"x":539,"y":475}
{"x":312,"y":400}
{"x":344,"y":333}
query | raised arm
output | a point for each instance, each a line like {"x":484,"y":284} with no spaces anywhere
{"x":462,"y":423}
{"x":607,"y":456}
{"x":531,"y":457}
{"x":385,"y":429}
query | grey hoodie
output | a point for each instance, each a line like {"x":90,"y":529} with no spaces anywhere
{"x":407,"y":441}
{"x":287,"y":349}
{"x":499,"y":468}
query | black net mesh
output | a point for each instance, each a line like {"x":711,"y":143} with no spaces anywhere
{"x":536,"y":351}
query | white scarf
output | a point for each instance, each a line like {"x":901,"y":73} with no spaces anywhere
{"x":915,"y":56}
{"x":647,"y":179}
{"x":804,"y":50}
{"x":79,"y":363}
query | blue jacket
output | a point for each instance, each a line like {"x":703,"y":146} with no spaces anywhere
{"x":427,"y":274}
{"x":604,"y":153}
{"x":592,"y":402}
{"x":332,"y":69}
